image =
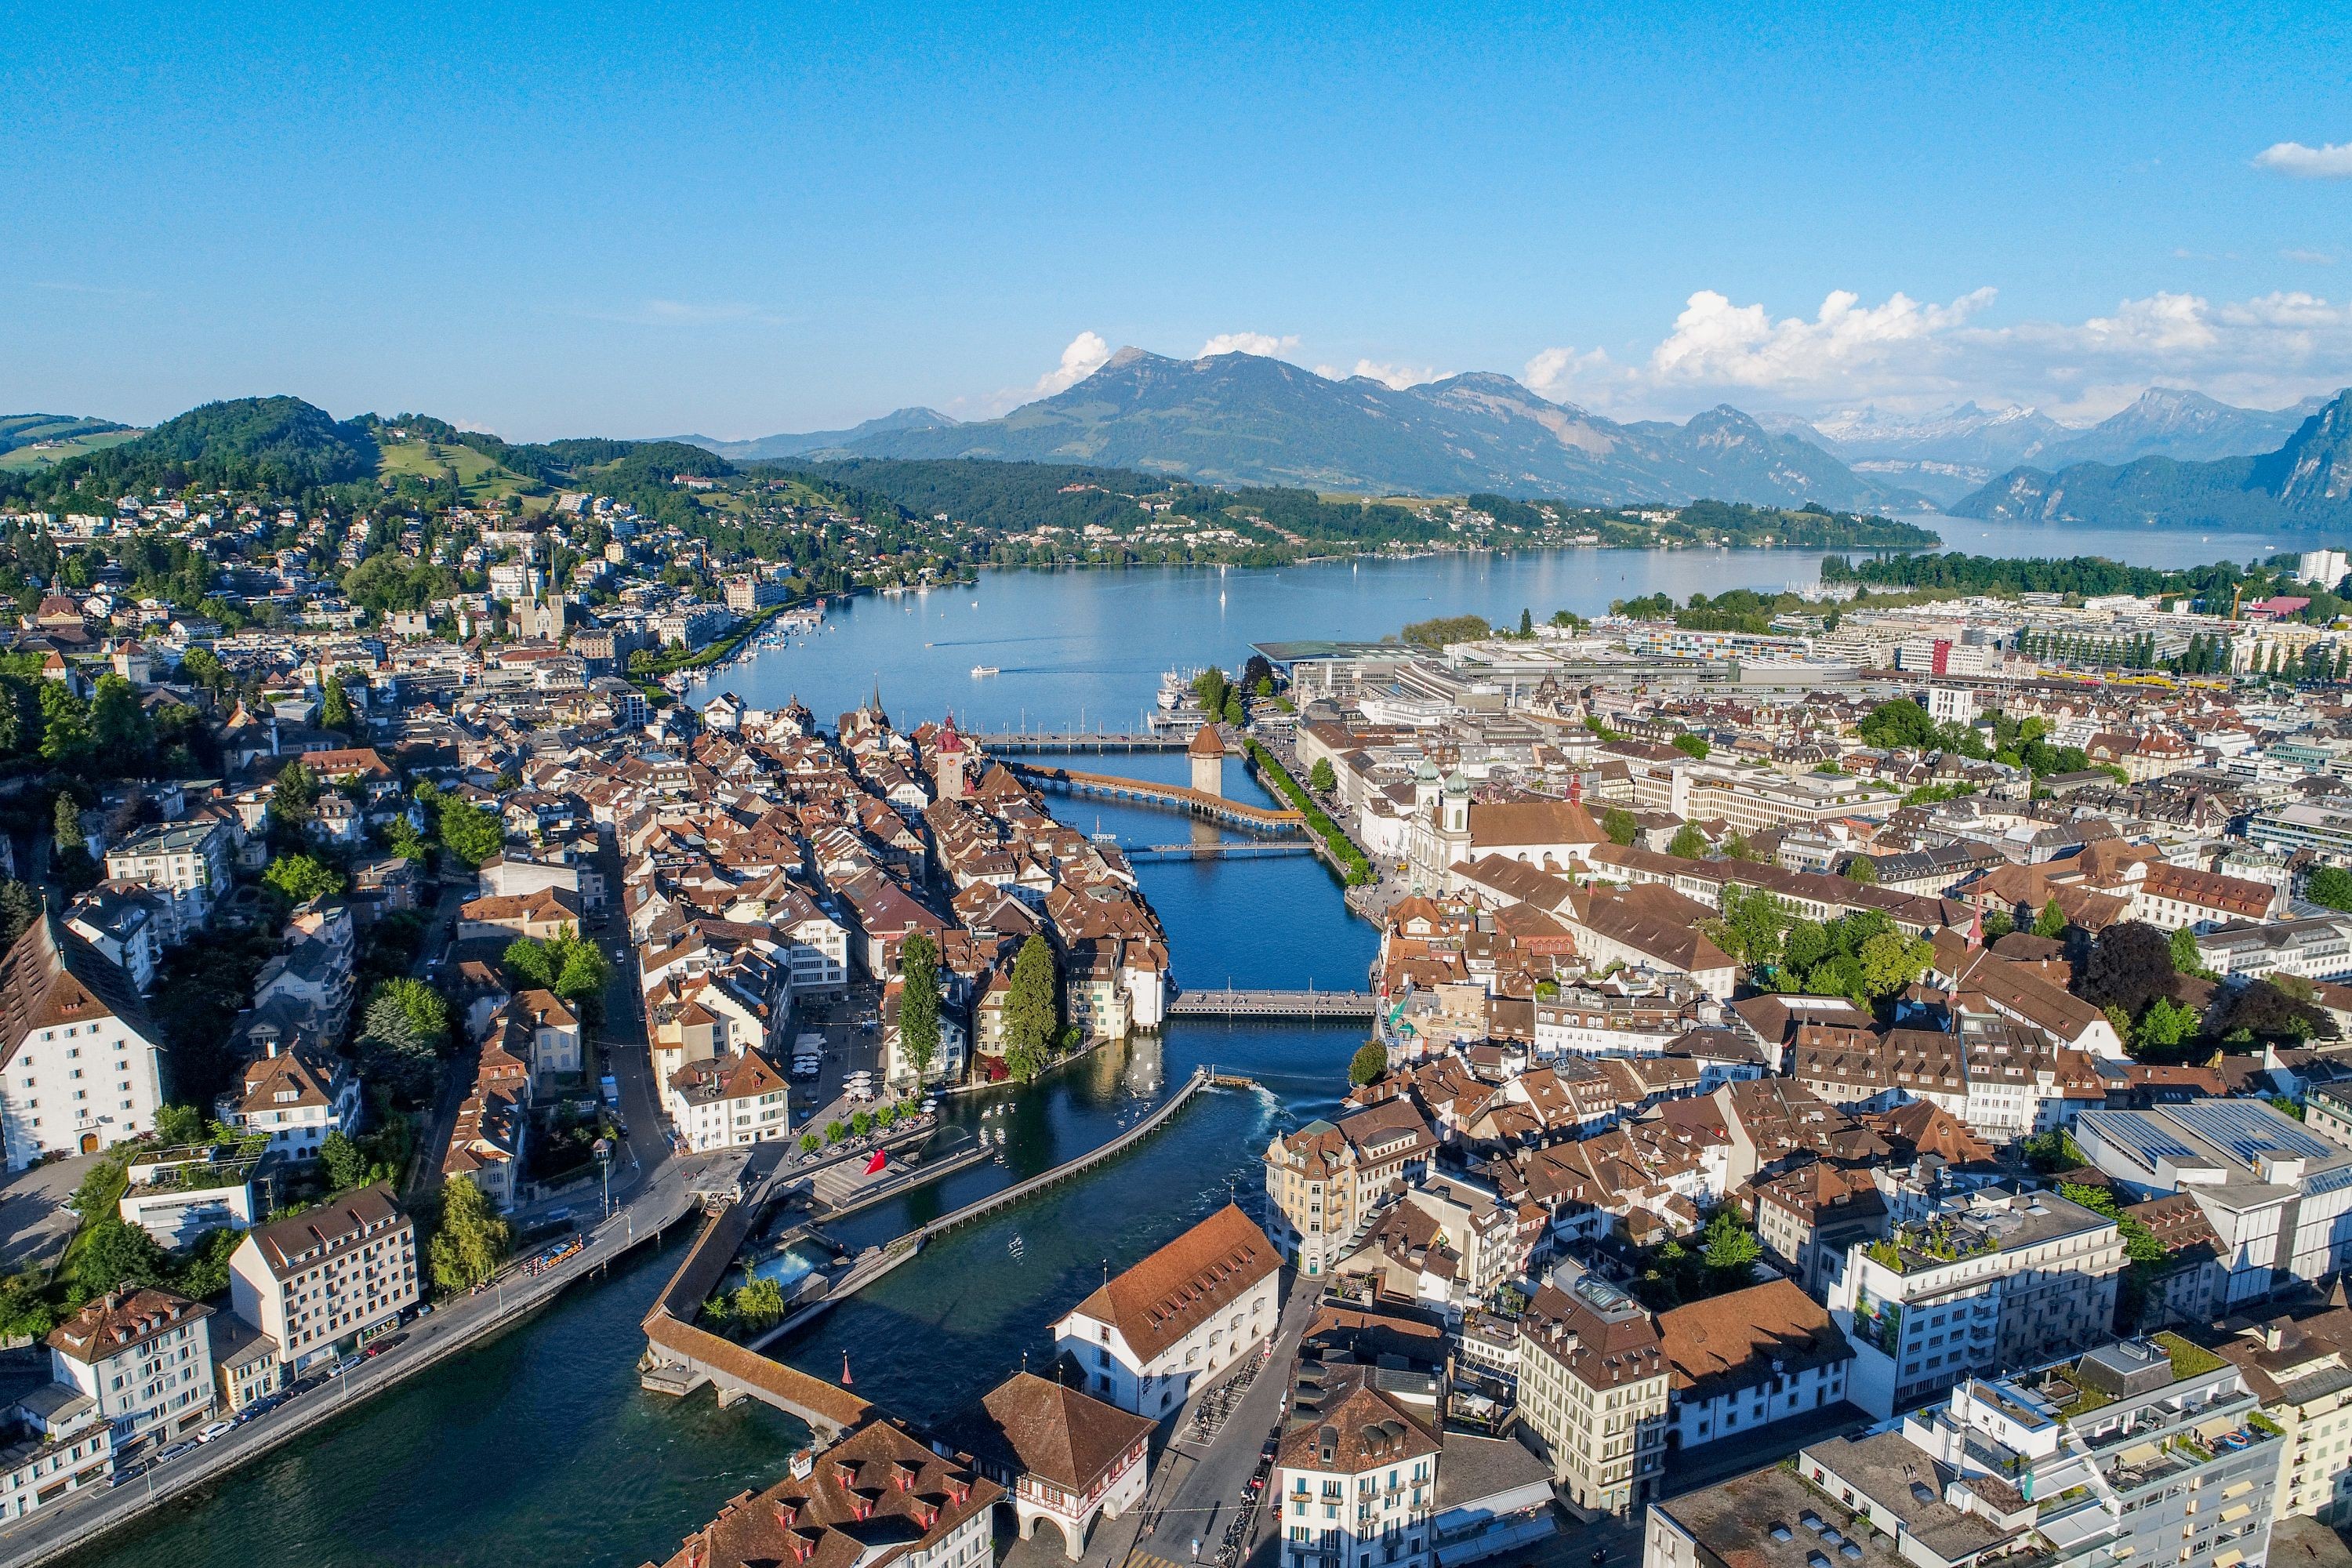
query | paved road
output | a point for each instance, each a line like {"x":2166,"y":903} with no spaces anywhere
{"x":653,"y":1204}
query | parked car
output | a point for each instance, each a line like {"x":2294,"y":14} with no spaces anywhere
{"x":217,"y":1429}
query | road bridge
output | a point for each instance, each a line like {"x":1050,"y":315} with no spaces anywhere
{"x":1176,"y":797}
{"x":1246,"y":1004}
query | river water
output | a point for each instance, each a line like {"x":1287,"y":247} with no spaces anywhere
{"x":541,"y":1450}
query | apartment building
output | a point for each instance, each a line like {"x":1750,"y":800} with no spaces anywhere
{"x":1357,"y":1485}
{"x":728,"y":1100}
{"x":2140,"y":1451}
{"x":184,"y":863}
{"x":2300,"y":1366}
{"x":1325,"y":1180}
{"x":1748,"y":1358}
{"x":1593,"y":1385}
{"x":80,"y":1061}
{"x":1993,"y":1280}
{"x":144,"y":1356}
{"x":324,"y":1279}
{"x":1152,"y":1335}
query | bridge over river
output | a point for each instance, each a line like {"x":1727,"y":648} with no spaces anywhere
{"x":1180,"y":797}
{"x":680,"y":1357}
{"x":1242,"y":1003}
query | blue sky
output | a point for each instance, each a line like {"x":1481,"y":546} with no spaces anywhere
{"x":637,"y":220}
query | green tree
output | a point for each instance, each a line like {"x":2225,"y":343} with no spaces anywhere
{"x":1619,"y":824}
{"x":110,"y":1252}
{"x":471,"y":1241}
{"x":1369,"y":1064}
{"x":2165,"y":1023}
{"x":1688,"y":843}
{"x":301,"y":878}
{"x":2052,"y":922}
{"x":1690,"y":745}
{"x":2330,"y":886}
{"x":66,"y":739}
{"x":66,"y":822}
{"x":918,"y":1002}
{"x":1321,"y":776}
{"x":119,"y":728}
{"x":472,"y":833}
{"x":205,"y":1273}
{"x":1862,"y":869}
{"x":835,"y":1130}
{"x":19,"y":908}
{"x":334,"y":705}
{"x":1891,"y":960}
{"x":428,"y":1010}
{"x":391,"y":1051}
{"x":1526,"y":623}
{"x":293,"y":795}
{"x":1032,"y":1013}
{"x":201,"y":667}
{"x":1998,"y":923}
{"x":1752,"y":924}
{"x":810,"y":1143}
{"x":346,"y":1163}
{"x":1730,"y":1247}
{"x":178,"y":1125}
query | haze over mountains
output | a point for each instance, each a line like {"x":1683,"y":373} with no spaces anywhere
{"x":2305,"y":483}
{"x":1246,"y":419}
{"x":1241,"y":419}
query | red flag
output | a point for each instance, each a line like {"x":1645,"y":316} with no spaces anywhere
{"x":874,"y":1167}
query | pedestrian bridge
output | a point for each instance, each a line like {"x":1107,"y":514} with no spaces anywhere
{"x":1232,"y":1003}
{"x":1177,"y":797}
{"x":680,"y":1357}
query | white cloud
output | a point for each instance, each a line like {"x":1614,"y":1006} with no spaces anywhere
{"x":2308,"y":258}
{"x":1906,"y":356}
{"x":1264,"y":343}
{"x":1718,"y":342}
{"x":1085,"y":356}
{"x":1564,"y":375}
{"x":1396,"y":377}
{"x":2332,"y":162}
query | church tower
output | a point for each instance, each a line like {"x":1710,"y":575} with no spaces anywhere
{"x":1208,"y":754}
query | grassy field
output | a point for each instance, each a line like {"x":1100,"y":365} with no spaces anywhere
{"x":479,"y":479}
{"x":48,"y":453}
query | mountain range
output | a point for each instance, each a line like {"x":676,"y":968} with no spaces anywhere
{"x":2305,"y":483}
{"x":768,"y":448}
{"x":1246,"y":419}
{"x":1948,"y":456}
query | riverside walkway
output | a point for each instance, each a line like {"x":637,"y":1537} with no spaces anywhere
{"x":1178,"y":797}
{"x":1232,"y":1003}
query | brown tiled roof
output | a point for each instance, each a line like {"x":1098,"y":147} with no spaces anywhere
{"x":873,"y":1496}
{"x":1033,"y":1425}
{"x":51,"y":977}
{"x":329,"y":1225}
{"x":1160,"y":1300}
{"x":1363,"y":1431}
{"x":1743,"y":1337}
{"x":119,"y":1318}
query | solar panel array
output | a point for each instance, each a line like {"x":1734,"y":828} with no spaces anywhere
{"x":2143,"y":1139}
{"x":2247,"y":1129}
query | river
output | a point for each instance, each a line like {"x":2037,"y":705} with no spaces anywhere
{"x":541,"y":1450}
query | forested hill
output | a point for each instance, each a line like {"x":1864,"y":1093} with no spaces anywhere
{"x":248,"y":443}
{"x":2306,"y":484}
